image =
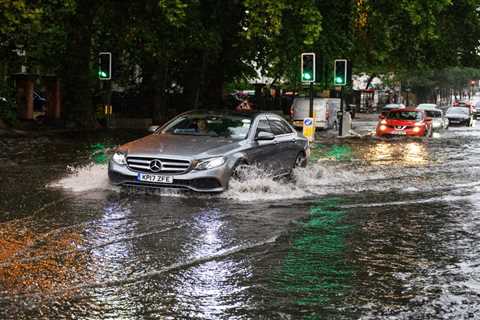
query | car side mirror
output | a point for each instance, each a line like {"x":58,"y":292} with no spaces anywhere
{"x":381,"y":117}
{"x":262,"y":135}
{"x":152,"y":129}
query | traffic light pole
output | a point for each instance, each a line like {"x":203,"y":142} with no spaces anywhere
{"x":311,"y":101}
{"x":106,"y":87}
{"x":342,"y":113}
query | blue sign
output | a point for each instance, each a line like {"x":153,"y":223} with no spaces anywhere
{"x":307,"y":122}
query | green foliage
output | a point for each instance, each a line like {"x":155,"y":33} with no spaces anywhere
{"x":199,"y":46}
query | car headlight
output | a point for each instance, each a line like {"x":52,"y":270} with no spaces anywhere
{"x":119,"y":158}
{"x":210,"y":163}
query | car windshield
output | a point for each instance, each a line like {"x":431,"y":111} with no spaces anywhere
{"x":227,"y":126}
{"x":405,"y":115}
{"x":457,"y":110}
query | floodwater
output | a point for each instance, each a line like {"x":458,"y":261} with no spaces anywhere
{"x":371,"y":229}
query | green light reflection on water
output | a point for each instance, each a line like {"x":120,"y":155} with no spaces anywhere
{"x":99,"y":153}
{"x":314,"y":272}
{"x":335,"y":152}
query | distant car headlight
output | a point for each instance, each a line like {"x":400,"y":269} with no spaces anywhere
{"x":416,"y":129}
{"x":383,"y":127}
{"x":383,"y":121}
{"x":119,"y":158}
{"x":210,"y":163}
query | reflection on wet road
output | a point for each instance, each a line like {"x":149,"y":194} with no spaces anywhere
{"x":370,"y":229}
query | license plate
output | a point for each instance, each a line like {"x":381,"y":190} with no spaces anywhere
{"x":399,"y":132}
{"x":154,"y":178}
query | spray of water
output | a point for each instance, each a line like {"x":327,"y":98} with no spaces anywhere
{"x":90,"y":177}
{"x":257,"y":185}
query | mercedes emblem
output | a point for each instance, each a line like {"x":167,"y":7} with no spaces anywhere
{"x":155,"y":165}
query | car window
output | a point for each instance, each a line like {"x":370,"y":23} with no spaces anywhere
{"x":263,"y":126}
{"x":229,"y":126}
{"x":458,"y":110}
{"x":279,"y":127}
{"x":433,"y":113}
{"x":405,"y":115}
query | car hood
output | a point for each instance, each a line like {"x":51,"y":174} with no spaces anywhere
{"x":181,"y":146}
{"x":457,"y":116}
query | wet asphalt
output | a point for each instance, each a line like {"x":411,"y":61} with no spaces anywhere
{"x":371,"y":229}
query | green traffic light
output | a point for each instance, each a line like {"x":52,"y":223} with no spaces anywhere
{"x":102,"y":74}
{"x":338,"y":80}
{"x":307,"y":76}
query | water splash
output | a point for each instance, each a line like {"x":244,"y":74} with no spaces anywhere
{"x":318,"y":178}
{"x":90,"y":177}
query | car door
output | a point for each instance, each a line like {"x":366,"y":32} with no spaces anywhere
{"x":263,"y":152}
{"x":285,"y":148}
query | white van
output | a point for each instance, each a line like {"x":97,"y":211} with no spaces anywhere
{"x":324,"y":111}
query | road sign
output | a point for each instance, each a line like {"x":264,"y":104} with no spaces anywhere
{"x":309,"y":129}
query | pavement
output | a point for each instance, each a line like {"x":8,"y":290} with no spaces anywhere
{"x":365,"y":117}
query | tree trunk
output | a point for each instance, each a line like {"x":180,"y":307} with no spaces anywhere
{"x":369,"y":81}
{"x":76,"y":76}
{"x":159,"y":106}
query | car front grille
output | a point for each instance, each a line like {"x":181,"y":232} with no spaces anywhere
{"x":142,"y":164}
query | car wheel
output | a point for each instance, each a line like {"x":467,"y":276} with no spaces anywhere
{"x":238,"y":172}
{"x":300,"y":161}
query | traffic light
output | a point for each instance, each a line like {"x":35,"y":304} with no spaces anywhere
{"x":308,"y":67}
{"x":105,"y":65}
{"x":340,"y":72}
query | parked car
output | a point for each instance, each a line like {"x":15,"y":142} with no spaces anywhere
{"x":460,"y":116}
{"x":201,"y":150}
{"x":324,"y":109}
{"x":439,"y":121}
{"x":405,"y":122}
{"x":477,"y":108}
{"x":391,"y":106}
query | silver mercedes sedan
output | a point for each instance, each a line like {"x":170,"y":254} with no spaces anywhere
{"x":202,"y":150}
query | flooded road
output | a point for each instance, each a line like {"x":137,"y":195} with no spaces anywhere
{"x":370,"y":229}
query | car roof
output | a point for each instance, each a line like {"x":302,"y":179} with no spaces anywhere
{"x":409,"y":109}
{"x":223,"y":112}
{"x":219,"y":112}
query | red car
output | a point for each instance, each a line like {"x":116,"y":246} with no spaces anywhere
{"x":405,"y":122}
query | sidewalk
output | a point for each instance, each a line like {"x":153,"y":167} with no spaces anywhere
{"x":366,"y":117}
